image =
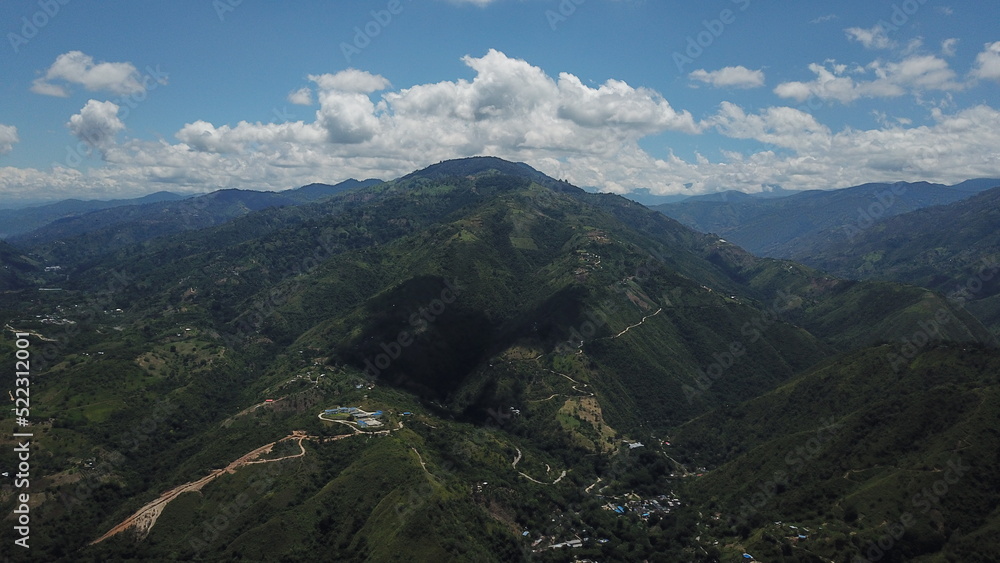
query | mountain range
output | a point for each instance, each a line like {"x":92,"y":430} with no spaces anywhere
{"x":16,"y":221}
{"x":795,"y":225}
{"x":557,"y":374}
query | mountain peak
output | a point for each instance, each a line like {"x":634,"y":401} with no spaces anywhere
{"x":478,"y":165}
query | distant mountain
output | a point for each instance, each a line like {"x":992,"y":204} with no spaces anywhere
{"x":954,"y":249}
{"x":977,"y":185}
{"x":18,"y":221}
{"x":648,"y":198}
{"x":792,"y":225}
{"x":772,"y":192}
{"x":81,"y":236}
{"x":118,"y":226}
{"x":316,"y":192}
{"x":726,"y":196}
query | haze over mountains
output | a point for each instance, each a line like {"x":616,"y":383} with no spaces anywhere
{"x":75,"y":217}
{"x":550,"y":366}
{"x":934,"y":236}
{"x":792,"y":226}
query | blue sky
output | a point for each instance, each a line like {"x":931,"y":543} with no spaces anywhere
{"x":116,"y":99}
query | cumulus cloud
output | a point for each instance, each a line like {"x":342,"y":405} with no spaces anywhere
{"x":301,"y":97}
{"x":831,"y":83}
{"x":561,"y":124}
{"x":617,"y":105}
{"x":730,"y":77}
{"x":805,"y":155}
{"x":351,"y":80}
{"x":8,"y":138}
{"x":76,"y":67}
{"x":874,"y":38}
{"x":987,"y":65}
{"x":781,"y":126}
{"x":510,"y":108}
{"x":916,"y":74}
{"x":347,"y":117}
{"x":203,"y":136}
{"x":97,"y":124}
{"x":511,"y":104}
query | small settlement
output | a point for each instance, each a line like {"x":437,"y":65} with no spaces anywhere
{"x":357,"y":415}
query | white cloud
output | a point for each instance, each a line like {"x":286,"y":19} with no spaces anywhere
{"x":781,"y":126}
{"x":8,"y":138}
{"x":874,"y":38}
{"x":347,"y":117}
{"x":587,"y":133}
{"x":510,"y":109}
{"x":40,"y":86}
{"x":97,"y":124}
{"x":616,"y":105}
{"x":75,"y":67}
{"x":988,"y":63}
{"x":918,"y":73}
{"x":301,"y":97}
{"x":921,"y":72}
{"x":245,"y":137}
{"x":730,"y":77}
{"x":832,"y":84}
{"x":351,"y":80}
{"x":826,"y":18}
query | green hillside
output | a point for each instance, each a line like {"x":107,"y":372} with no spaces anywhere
{"x":951,"y":249}
{"x":855,"y":450}
{"x":518,"y":336}
{"x":16,"y":269}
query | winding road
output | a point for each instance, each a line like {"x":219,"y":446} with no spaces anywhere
{"x":144,"y":519}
